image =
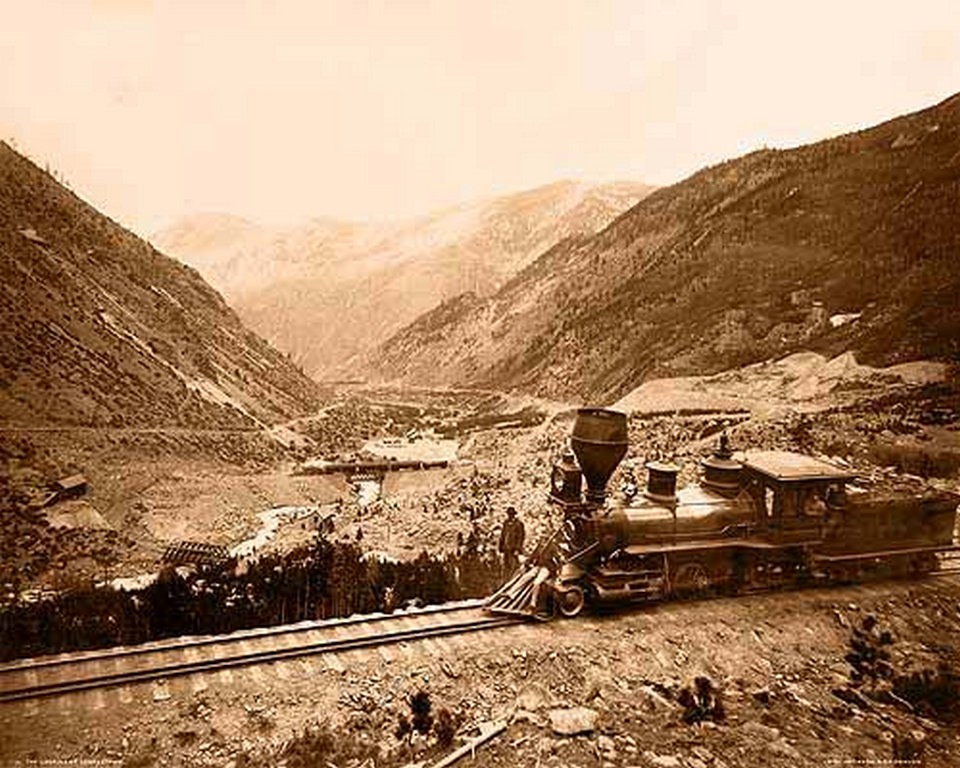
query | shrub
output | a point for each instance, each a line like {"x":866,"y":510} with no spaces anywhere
{"x":934,"y":693}
{"x":445,"y":728}
{"x":420,"y":706}
{"x":701,"y":703}
{"x":868,"y":656}
{"x":319,"y":745}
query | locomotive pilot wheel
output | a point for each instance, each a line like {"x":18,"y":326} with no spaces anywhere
{"x":570,"y":600}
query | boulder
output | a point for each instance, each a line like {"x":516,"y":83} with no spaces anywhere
{"x":533,"y":697}
{"x":572,"y":721}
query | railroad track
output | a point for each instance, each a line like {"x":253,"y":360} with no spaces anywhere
{"x":70,"y":673}
{"x":50,"y":676}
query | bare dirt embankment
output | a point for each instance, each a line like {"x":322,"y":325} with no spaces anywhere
{"x":803,"y":381}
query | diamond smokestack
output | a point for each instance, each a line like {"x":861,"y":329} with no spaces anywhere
{"x":599,"y":442}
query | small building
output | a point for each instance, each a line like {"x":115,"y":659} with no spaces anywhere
{"x":71,"y":487}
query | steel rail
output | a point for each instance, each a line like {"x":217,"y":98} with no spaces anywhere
{"x":241,"y":635}
{"x":326,"y":645}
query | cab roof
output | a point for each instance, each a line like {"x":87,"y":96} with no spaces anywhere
{"x":784,"y":466}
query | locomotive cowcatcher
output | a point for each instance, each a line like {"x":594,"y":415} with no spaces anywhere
{"x":757,"y":519}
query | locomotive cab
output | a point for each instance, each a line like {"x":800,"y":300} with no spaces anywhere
{"x":796,"y":497}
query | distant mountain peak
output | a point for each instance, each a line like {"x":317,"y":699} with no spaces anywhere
{"x":330,"y":290}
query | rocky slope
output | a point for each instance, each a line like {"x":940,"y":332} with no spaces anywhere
{"x":98,"y":328}
{"x":847,"y":244}
{"x":328,"y":290}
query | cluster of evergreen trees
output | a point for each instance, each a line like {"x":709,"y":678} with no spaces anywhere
{"x":328,"y":579}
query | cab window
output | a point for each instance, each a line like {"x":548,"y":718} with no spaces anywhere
{"x":788,"y":501}
{"x":814,"y":503}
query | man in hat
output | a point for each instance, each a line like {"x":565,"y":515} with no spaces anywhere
{"x":511,"y":541}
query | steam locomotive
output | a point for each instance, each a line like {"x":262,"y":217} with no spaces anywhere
{"x":756,"y":520}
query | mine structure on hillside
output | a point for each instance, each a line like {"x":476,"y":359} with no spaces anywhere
{"x":195,"y":553}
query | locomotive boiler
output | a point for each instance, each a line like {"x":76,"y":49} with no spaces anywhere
{"x":757,"y":519}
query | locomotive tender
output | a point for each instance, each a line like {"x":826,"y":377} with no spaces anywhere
{"x":759,"y":519}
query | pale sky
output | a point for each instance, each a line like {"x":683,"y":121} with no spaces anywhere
{"x":280,"y":111}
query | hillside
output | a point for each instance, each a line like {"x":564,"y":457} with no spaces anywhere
{"x":851,"y":243}
{"x":98,"y":328}
{"x":329,"y":290}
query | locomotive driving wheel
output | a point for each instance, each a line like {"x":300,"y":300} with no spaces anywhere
{"x":570,"y":600}
{"x":690,"y":580}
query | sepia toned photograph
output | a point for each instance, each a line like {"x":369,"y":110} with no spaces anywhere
{"x":431,"y":383}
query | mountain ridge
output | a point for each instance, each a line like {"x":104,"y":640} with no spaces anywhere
{"x":746,"y":260}
{"x":101,"y":329}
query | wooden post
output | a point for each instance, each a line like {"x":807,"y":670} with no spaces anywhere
{"x":487,"y":732}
